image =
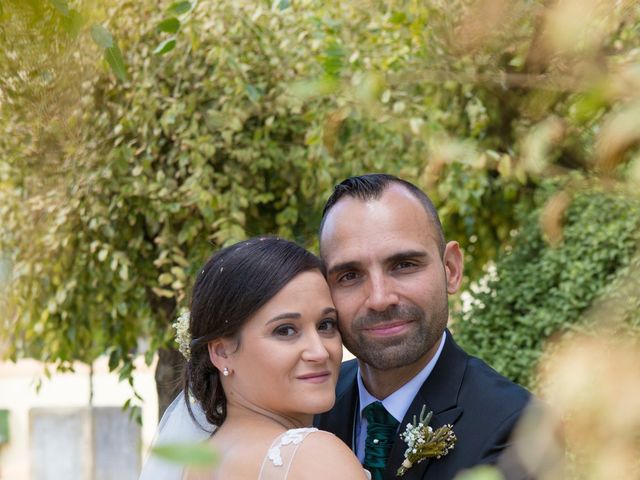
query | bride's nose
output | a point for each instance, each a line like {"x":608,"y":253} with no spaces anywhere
{"x":314,"y":349}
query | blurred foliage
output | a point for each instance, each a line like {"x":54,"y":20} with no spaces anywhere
{"x":196,"y":455}
{"x":109,"y":205}
{"x":40,"y":36}
{"x":483,"y":472}
{"x":113,"y":192}
{"x":177,"y":14}
{"x":591,"y":381}
{"x":537,"y":291}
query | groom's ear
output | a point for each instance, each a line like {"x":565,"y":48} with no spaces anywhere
{"x":453,"y":266}
{"x":219,"y":352}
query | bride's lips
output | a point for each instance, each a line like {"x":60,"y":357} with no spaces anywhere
{"x":388,"y":328}
{"x":316,"y":377}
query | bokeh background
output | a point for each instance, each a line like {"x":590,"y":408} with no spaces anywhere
{"x":139,"y":136}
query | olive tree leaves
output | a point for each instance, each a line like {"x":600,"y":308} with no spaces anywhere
{"x":178,"y":13}
{"x":112,"y":53}
{"x":73,"y":22}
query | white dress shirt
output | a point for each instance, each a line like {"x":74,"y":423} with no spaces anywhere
{"x":396,"y":404}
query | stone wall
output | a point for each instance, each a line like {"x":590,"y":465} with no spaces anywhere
{"x":101,"y":443}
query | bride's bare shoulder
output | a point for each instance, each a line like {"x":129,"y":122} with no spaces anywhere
{"x":323,"y":455}
{"x":237,"y":460}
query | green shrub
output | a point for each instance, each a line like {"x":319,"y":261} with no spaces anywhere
{"x":537,"y":290}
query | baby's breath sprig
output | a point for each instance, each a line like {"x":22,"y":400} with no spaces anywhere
{"x":424,"y":442}
{"x":183,"y":335}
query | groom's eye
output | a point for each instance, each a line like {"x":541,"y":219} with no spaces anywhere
{"x":285,"y":331}
{"x":404,"y":265}
{"x":347,"y":277}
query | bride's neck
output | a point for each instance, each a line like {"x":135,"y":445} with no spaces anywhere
{"x":253,"y":414}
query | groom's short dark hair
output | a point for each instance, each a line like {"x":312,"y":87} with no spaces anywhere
{"x":371,"y":187}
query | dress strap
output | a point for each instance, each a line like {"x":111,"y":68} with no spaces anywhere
{"x":277,"y":461}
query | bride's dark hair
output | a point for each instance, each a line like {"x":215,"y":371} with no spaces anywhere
{"x":233,"y":284}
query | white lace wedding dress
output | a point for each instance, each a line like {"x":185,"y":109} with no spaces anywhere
{"x":277,"y":461}
{"x":177,"y":426}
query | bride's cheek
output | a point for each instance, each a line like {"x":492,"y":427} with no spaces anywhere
{"x":336,"y":355}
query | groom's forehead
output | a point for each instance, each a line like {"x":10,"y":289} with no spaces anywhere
{"x":353,"y":222}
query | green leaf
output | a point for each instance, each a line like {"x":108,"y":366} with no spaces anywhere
{"x":73,"y":22}
{"x":307,"y":89}
{"x":101,"y":36}
{"x":114,"y":359}
{"x":481,"y":473}
{"x":252,"y":92}
{"x":282,"y":4}
{"x":398,"y":17}
{"x":588,"y":104}
{"x":165,"y":46}
{"x":116,"y":62}
{"x":180,"y":8}
{"x":61,"y":5}
{"x":163,"y":292}
{"x":169,"y":25}
{"x":193,"y":454}
{"x":333,"y":58}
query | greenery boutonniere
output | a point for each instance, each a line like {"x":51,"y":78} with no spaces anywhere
{"x":424,"y":442}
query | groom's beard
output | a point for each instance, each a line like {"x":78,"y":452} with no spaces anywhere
{"x":397,"y":350}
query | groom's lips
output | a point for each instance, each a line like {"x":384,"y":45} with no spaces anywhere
{"x":388,"y":328}
{"x":316,"y":377}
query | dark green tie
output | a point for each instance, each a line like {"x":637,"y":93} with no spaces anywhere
{"x":381,"y":430}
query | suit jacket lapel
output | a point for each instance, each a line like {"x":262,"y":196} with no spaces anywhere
{"x":346,"y":405}
{"x":340,"y":419}
{"x":439,"y":394}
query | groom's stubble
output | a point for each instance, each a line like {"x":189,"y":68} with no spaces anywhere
{"x":396,"y":351}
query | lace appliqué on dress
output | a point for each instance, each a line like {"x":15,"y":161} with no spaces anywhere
{"x":274,"y":456}
{"x":294,"y":436}
{"x":291,"y":439}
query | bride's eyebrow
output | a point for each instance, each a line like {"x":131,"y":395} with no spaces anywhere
{"x":285,"y":316}
{"x":297,"y":316}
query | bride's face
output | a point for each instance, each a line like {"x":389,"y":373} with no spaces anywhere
{"x":290,"y":351}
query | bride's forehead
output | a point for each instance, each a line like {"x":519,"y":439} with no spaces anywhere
{"x":306,"y":294}
{"x":302,"y":288}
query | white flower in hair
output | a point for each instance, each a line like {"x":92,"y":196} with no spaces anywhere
{"x":183,"y":336}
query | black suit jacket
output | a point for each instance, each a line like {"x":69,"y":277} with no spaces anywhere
{"x":482,"y":405}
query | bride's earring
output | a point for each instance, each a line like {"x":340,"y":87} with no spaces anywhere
{"x":225,"y":372}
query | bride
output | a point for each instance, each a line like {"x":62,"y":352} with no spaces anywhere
{"x":264,"y":358}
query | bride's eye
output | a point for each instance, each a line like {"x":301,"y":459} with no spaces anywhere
{"x":285,"y":331}
{"x":328,"y":325}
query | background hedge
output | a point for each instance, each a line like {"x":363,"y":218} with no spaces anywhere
{"x":537,"y":290}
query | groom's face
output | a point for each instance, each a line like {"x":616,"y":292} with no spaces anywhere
{"x":388,"y":279}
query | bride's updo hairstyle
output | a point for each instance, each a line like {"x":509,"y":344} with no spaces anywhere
{"x":233,"y":285}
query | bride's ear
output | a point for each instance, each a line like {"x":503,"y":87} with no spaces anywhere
{"x":219,"y":353}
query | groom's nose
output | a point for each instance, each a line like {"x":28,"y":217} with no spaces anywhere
{"x":380,"y":292}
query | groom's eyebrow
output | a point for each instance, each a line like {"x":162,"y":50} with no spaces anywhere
{"x":396,"y":257}
{"x":342,"y":267}
{"x":406,"y":255}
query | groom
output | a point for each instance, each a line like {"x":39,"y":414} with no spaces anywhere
{"x":390,"y":271}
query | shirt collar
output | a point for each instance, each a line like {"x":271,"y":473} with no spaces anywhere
{"x":399,"y":401}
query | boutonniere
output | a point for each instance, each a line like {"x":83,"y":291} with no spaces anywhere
{"x":425,"y":442}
